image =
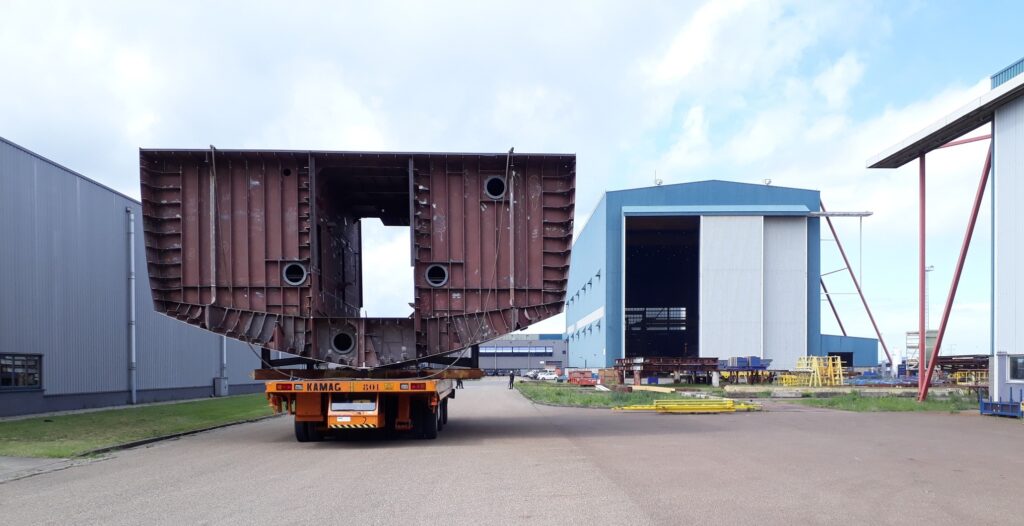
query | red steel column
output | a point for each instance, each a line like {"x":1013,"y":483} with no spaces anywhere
{"x":978,"y":196}
{"x":922,"y":337}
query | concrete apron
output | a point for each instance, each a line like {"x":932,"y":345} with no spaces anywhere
{"x":13,"y":468}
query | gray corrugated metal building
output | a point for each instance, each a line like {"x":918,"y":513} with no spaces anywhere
{"x":523,"y":352}
{"x":64,"y":301}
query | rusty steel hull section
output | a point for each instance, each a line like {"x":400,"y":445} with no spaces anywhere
{"x":265,"y":246}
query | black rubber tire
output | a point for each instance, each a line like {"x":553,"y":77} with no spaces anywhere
{"x":427,"y":422}
{"x":308,"y":432}
{"x":444,"y":412}
{"x":301,"y":432}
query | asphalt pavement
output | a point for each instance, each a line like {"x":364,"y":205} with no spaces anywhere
{"x":504,"y":460}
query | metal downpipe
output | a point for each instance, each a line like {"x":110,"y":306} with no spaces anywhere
{"x":223,"y":364}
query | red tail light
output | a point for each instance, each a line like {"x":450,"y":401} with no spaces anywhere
{"x":418,"y":386}
{"x":284,"y":387}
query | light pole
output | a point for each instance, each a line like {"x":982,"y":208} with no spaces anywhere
{"x":927,"y":298}
{"x":927,"y":315}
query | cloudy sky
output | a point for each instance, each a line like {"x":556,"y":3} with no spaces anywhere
{"x":801,"y":93}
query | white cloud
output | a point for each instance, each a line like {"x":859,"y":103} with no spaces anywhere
{"x":691,"y":147}
{"x":732,"y":45}
{"x":322,"y":112}
{"x":533,"y":117}
{"x":695,"y":45}
{"x":836,"y":82}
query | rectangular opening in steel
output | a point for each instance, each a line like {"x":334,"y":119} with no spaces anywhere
{"x":662,"y":286}
{"x":387,"y":272}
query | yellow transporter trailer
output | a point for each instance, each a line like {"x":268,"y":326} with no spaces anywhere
{"x":346,"y":407}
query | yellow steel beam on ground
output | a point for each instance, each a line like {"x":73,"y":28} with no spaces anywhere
{"x":694,"y":405}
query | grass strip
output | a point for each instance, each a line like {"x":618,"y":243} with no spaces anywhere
{"x":573,"y":396}
{"x":69,"y":435}
{"x":856,"y":402}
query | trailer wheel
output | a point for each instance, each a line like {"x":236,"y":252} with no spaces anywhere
{"x":440,"y":415}
{"x":308,"y":432}
{"x":427,"y":421}
{"x":444,"y":412}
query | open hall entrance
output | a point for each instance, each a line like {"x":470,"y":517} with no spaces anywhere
{"x":662,"y":299}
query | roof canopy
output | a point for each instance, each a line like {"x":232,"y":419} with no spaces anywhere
{"x":976,"y":113}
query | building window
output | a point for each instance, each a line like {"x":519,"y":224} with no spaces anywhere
{"x":1016,"y":367}
{"x":513,"y":350}
{"x":655,"y":318}
{"x":20,"y":371}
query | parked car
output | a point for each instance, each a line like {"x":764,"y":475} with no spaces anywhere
{"x":532,"y":374}
{"x":547,"y":375}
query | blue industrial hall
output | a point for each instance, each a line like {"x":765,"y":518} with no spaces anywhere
{"x":703,"y":269}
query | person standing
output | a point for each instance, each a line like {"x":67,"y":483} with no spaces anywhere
{"x":511,"y":378}
{"x":458,"y":383}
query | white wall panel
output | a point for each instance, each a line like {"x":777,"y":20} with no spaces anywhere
{"x":731,"y":273}
{"x":785,"y":290}
{"x":1009,"y":230}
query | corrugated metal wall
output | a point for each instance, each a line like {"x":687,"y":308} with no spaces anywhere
{"x":491,"y":360}
{"x":1008,"y":73}
{"x":731,"y":258}
{"x":64,"y":288}
{"x":865,"y":350}
{"x":785,"y":290}
{"x":1008,"y":239}
{"x":586,"y":322}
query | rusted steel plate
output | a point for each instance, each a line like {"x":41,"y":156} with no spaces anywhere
{"x":265,"y":246}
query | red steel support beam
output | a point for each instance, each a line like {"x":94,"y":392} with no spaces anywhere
{"x":978,"y":196}
{"x":833,"y":305}
{"x":856,"y":284}
{"x":965,"y":141}
{"x":922,"y":337}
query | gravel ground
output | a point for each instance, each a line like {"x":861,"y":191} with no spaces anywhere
{"x":503,"y":460}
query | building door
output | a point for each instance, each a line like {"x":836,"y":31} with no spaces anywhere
{"x":662,"y":284}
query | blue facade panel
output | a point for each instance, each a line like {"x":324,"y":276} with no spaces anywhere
{"x":587,"y":325}
{"x":865,"y":350}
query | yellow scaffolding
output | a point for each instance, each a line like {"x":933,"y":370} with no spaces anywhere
{"x":815,"y":371}
{"x":970,"y":377}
